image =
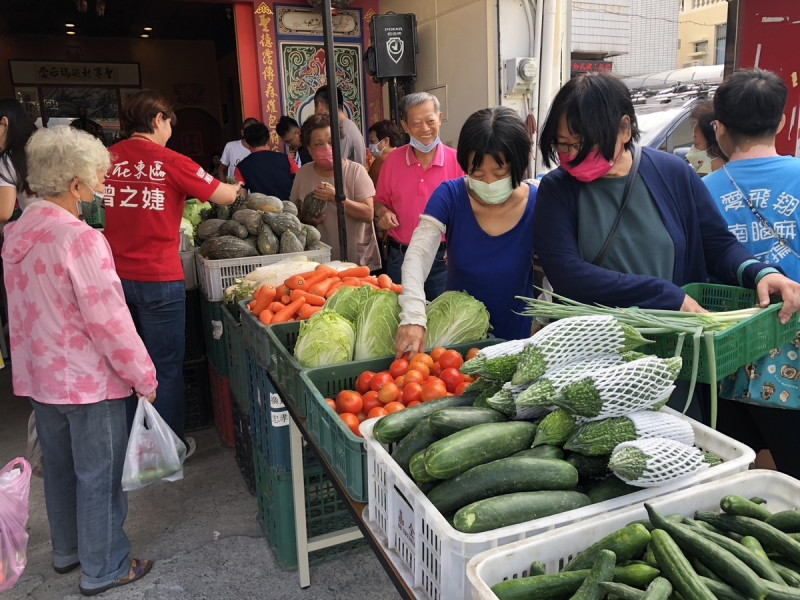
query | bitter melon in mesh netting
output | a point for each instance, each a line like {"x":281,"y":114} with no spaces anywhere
{"x":655,"y":461}
{"x":504,"y":399}
{"x":541,"y":392}
{"x":597,"y":438}
{"x":497,"y":362}
{"x":620,"y":390}
{"x":555,"y":429}
{"x":568,"y":340}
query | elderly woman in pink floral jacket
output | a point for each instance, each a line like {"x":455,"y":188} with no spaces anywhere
{"x":76,"y":355}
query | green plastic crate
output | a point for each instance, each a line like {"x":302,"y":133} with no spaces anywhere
{"x":740,"y":345}
{"x":344,"y":450}
{"x":214,"y":335}
{"x":254,"y":334}
{"x":237,"y":356}
{"x":326,"y":512}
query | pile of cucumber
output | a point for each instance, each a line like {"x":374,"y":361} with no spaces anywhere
{"x":483,"y":472}
{"x":744,"y":553}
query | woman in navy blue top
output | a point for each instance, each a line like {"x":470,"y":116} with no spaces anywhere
{"x":487,"y":220}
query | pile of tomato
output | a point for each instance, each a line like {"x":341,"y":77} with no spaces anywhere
{"x":409,"y":381}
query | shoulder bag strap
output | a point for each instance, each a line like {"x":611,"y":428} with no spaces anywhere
{"x":626,"y":193}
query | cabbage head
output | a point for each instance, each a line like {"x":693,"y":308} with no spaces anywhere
{"x":349,"y":301}
{"x":376,"y":327}
{"x":188,"y":229}
{"x":195,"y":211}
{"x":455,"y":318}
{"x":327,"y":338}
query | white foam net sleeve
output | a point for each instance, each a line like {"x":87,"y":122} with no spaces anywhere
{"x":505,"y":348}
{"x":579,"y":369}
{"x":632,"y":386}
{"x":575,"y":338}
{"x":667,"y":460}
{"x":654,"y":424}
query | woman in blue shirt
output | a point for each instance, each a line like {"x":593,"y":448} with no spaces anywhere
{"x":487,"y":220}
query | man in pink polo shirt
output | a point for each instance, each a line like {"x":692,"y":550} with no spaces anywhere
{"x":408,"y":179}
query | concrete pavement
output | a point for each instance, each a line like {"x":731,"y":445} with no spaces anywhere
{"x":202,"y":532}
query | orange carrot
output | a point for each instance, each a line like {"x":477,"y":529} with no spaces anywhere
{"x":287,"y":312}
{"x":307,"y":311}
{"x":351,"y":281}
{"x":265,"y":316}
{"x":286,"y":299}
{"x":282,"y":291}
{"x":333,"y":289}
{"x":263,"y":296}
{"x":275,"y":306}
{"x":355,"y":272}
{"x":323,"y":286}
{"x":397,"y":288}
{"x":329,"y":270}
{"x":370,"y":279}
{"x":384,"y":281}
{"x":312,"y":299}
{"x":295,"y":282}
{"x":251,"y":305}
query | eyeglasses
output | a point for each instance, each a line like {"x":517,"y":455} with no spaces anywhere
{"x":564,"y":148}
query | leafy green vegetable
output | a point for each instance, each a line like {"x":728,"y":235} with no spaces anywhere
{"x":376,"y":326}
{"x":349,"y":301}
{"x":327,"y":338}
{"x":188,"y":229}
{"x":195,"y":211}
{"x":456,"y":318}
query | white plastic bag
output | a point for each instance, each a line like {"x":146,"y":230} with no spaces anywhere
{"x":15,"y":485}
{"x":154,"y":451}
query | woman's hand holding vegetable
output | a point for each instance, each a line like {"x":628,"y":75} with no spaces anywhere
{"x":691,"y":305}
{"x":788,"y":290}
{"x":325,"y":192}
{"x":409,"y":337}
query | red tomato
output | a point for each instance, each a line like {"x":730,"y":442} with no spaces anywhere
{"x":389,"y":392}
{"x":352,"y":422}
{"x":451,"y":359}
{"x":413,"y":377}
{"x":332,"y":404}
{"x":437,"y":369}
{"x":378,"y":411}
{"x":422,"y":367}
{"x":414,"y":403}
{"x":400,"y":381}
{"x":348,"y":401}
{"x":433,"y":390}
{"x":472,"y":353}
{"x":461,"y":387}
{"x":437,"y":352}
{"x":422,"y":357}
{"x":379,"y":380}
{"x":452,"y":378}
{"x":398,"y":368}
{"x":412,"y":392}
{"x":369,"y":401}
{"x":362,"y":383}
{"x":362,"y":416}
{"x":394,"y":407}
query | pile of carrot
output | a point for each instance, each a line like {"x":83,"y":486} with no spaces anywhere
{"x":301,"y":296}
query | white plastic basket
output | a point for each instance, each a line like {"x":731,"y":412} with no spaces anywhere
{"x":216,"y":275}
{"x":432,"y":556}
{"x":555,"y":548}
{"x":189,"y":270}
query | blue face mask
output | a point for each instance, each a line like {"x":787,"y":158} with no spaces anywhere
{"x":417,"y":145}
{"x":492,"y":193}
{"x":375,"y":150}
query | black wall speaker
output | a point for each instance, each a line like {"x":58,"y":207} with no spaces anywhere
{"x":394,"y":38}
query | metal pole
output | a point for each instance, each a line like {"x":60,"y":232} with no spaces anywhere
{"x":394,"y":103}
{"x":333,"y":102}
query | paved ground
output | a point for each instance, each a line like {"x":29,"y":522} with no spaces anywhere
{"x":201,"y":531}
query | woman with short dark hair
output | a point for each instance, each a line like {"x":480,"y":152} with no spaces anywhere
{"x":487,"y":220}
{"x":597,"y":248}
{"x":705,"y":155}
{"x":146,"y":191}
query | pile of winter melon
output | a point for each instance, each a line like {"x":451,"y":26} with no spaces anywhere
{"x":255,"y":225}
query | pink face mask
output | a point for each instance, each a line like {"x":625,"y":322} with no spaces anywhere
{"x":594,"y":166}
{"x":323,"y":157}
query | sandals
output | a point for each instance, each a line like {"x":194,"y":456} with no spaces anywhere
{"x":139,"y":568}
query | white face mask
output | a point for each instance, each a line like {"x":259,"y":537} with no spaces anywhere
{"x":699,"y":159}
{"x":492,"y":193}
{"x":375,"y":150}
